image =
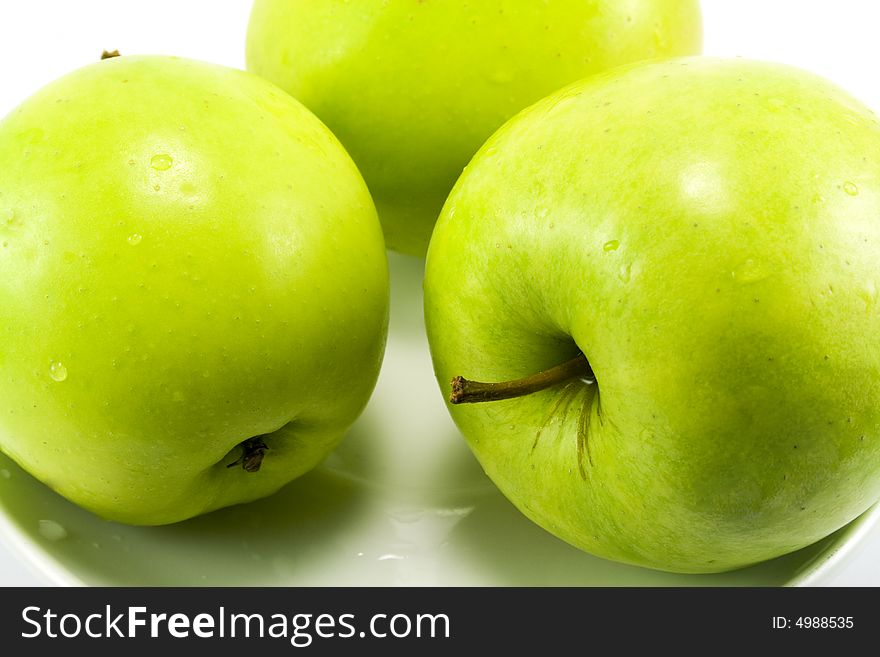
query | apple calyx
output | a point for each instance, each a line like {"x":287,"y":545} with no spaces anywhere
{"x":465,"y":391}
{"x":252,"y":452}
{"x":109,"y":54}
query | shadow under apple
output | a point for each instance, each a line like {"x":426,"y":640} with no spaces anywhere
{"x":237,"y":546}
{"x":407,"y":318}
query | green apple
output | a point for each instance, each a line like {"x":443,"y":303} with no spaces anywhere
{"x":192,"y":277}
{"x":414,"y":87}
{"x":668,"y":277}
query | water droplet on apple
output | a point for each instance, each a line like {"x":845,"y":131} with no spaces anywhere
{"x":7,"y":216}
{"x":851,"y":188}
{"x":611,"y":245}
{"x":52,"y":531}
{"x":161,"y":162}
{"x":660,"y":42}
{"x":134,"y":239}
{"x":500,"y":76}
{"x":869,"y":296}
{"x":750,"y":271}
{"x":625,"y":273}
{"x":32,"y":136}
{"x":391,"y":557}
{"x":5,"y":474}
{"x":58,"y":371}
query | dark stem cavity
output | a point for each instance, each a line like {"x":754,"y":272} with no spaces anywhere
{"x":465,"y":391}
{"x":252,"y":452}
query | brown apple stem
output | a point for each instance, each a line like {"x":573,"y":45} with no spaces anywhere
{"x":109,"y":54}
{"x":252,"y":452}
{"x":465,"y":391}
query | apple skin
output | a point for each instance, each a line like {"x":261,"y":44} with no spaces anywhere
{"x":189,"y":259}
{"x":413,"y":89}
{"x":707,"y":233}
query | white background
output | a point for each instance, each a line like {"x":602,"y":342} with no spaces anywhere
{"x":43,"y":39}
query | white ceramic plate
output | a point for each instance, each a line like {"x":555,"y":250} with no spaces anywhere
{"x":401,"y":502}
